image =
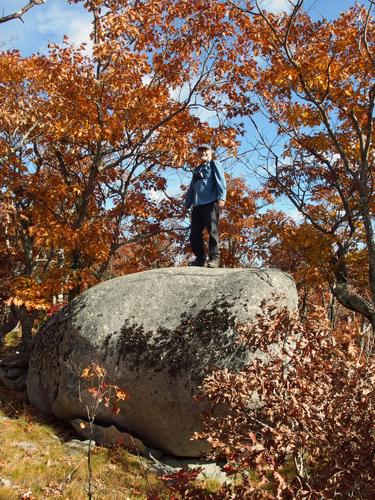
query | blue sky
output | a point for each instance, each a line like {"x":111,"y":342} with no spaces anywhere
{"x":50,"y":22}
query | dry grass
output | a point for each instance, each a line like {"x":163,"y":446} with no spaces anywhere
{"x":53,"y":470}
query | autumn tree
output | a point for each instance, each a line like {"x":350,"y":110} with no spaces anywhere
{"x":85,"y":137}
{"x":315,"y":84}
{"x":296,"y":247}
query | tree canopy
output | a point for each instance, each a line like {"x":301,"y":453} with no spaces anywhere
{"x":87,"y":136}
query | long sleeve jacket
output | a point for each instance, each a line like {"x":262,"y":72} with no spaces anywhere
{"x":207,"y":185}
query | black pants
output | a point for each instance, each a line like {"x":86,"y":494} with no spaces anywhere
{"x":205,"y":216}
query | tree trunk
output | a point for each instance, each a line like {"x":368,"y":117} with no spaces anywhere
{"x":346,"y":297}
{"x":75,"y":266}
{"x":10,"y":324}
{"x":27,"y":320}
{"x":354,"y":302}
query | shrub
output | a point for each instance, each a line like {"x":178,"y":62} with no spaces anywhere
{"x":311,"y":433}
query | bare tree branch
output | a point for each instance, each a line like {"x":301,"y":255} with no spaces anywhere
{"x":365,"y":39}
{"x":21,"y":12}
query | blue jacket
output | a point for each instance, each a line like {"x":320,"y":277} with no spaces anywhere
{"x":207,"y":185}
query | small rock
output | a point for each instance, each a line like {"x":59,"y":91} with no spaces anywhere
{"x":162,"y":469}
{"x":16,"y":360}
{"x":21,"y":382}
{"x":27,"y":445}
{"x":210,"y":470}
{"x":5,"y":482}
{"x":9,"y":384}
{"x":15,"y":372}
{"x":16,"y":381}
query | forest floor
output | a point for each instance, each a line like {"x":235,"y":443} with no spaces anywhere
{"x":39,"y":460}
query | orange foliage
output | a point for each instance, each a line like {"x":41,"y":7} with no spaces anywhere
{"x":85,"y":138}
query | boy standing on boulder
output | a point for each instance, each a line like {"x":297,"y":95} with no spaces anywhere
{"x":206,"y":194}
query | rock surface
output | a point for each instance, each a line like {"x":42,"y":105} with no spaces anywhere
{"x":13,"y":370}
{"x":157,"y":334}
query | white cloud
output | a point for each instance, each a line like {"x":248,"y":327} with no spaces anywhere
{"x":276,"y":5}
{"x":59,"y":19}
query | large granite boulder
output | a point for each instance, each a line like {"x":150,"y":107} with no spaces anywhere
{"x":157,"y":334}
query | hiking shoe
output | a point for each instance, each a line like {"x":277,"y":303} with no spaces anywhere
{"x":213,"y":263}
{"x":196,"y":263}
